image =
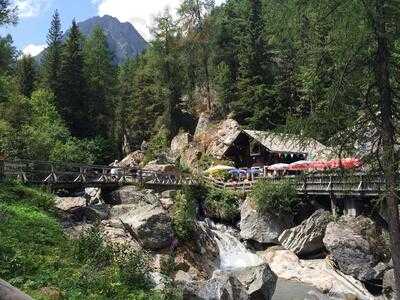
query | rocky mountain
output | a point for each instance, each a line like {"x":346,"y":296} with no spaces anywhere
{"x":124,"y":40}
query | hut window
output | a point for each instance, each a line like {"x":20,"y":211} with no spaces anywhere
{"x":255,"y":148}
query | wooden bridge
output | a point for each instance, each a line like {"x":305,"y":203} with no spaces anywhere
{"x":71,"y":176}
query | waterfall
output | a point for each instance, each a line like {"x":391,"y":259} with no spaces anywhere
{"x":232,"y":253}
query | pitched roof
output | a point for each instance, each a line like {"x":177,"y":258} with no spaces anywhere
{"x":279,"y":142}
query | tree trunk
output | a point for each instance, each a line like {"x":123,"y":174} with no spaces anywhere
{"x":389,"y":160}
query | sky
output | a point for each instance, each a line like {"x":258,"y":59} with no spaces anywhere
{"x":29,"y":34}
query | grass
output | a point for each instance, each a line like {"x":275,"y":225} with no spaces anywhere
{"x":35,"y":254}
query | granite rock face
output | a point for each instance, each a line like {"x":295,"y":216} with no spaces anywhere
{"x":307,"y":237}
{"x":351,"y":248}
{"x":263,"y":228}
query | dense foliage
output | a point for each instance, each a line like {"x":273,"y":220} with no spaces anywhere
{"x":37,"y":257}
{"x":277,"y":197}
{"x":222,"y":204}
{"x":184,"y":214}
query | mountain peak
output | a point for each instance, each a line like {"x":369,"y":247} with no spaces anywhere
{"x":124,"y":40}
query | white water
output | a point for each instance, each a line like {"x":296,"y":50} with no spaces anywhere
{"x":232,"y":253}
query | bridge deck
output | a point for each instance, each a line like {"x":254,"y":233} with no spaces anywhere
{"x":62,"y":175}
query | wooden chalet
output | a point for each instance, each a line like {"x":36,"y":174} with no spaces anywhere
{"x":249,"y":148}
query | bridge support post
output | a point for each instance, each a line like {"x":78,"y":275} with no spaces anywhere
{"x":333,"y":205}
{"x":352,"y":207}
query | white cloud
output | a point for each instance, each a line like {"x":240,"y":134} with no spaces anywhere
{"x":31,"y":8}
{"x":33,"y":49}
{"x":139,"y":13}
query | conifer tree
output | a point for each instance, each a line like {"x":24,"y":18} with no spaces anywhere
{"x":100,"y":76}
{"x":52,"y":56}
{"x":26,"y":75}
{"x":256,"y":106}
{"x":8,"y":13}
{"x":73,"y":87}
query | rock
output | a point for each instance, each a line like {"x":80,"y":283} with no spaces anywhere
{"x":179,"y":143}
{"x":167,"y":203}
{"x":151,"y":225}
{"x":219,"y":288}
{"x":118,"y":235}
{"x":168,"y":194}
{"x":251,"y":283}
{"x":132,"y":159}
{"x":8,"y":292}
{"x":221,"y":138}
{"x":93,"y":194}
{"x":307,"y":237}
{"x":117,"y":211}
{"x":131,"y":195}
{"x":69,"y":204}
{"x":351,"y":248}
{"x":182,"y":276}
{"x":191,"y":156}
{"x":158,"y":280}
{"x":97,"y":212}
{"x":263,"y":228}
{"x":202,"y":124}
{"x":259,"y":281}
{"x":389,"y":285}
{"x":317,"y":273}
{"x":161,"y":168}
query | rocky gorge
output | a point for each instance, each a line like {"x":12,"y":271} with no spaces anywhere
{"x":329,"y":258}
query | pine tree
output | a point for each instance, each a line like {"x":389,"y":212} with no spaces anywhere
{"x":8,"y":13}
{"x":100,"y":76}
{"x":257,"y":106}
{"x":166,"y":45}
{"x":52,"y":56}
{"x":72,"y":99}
{"x":26,"y":75}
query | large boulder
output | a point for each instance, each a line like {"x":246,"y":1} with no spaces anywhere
{"x":8,"y":292}
{"x":156,"y":167}
{"x":132,"y":159}
{"x":179,"y":143}
{"x":317,"y":273}
{"x":69,"y":204}
{"x":264,"y":228}
{"x":307,"y":237}
{"x":202,"y":124}
{"x":150,"y":225}
{"x":389,"y":285}
{"x":250,"y":283}
{"x":354,"y":246}
{"x":131,"y":195}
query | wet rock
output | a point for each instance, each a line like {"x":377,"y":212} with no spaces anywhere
{"x":131,"y":195}
{"x":8,"y":292}
{"x":250,"y":283}
{"x":151,"y":225}
{"x":220,"y":288}
{"x":307,"y":237}
{"x":317,"y":273}
{"x":350,"y":243}
{"x":389,"y":285}
{"x":263,"y":228}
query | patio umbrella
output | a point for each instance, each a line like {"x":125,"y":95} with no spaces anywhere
{"x":219,"y":168}
{"x":345,"y":163}
{"x":319,"y":165}
{"x":278,"y":167}
{"x":300,"y":165}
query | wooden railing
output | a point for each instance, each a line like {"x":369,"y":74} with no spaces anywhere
{"x":70,"y":174}
{"x":79,"y":175}
{"x":369,"y":185}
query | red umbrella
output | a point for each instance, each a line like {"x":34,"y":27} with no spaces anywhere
{"x":345,"y":163}
{"x":300,"y":165}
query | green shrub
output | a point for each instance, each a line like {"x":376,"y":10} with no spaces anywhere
{"x":277,"y":197}
{"x":158,"y":144}
{"x":35,"y":253}
{"x":184,"y":215}
{"x":222,"y":204}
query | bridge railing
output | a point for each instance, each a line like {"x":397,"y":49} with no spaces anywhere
{"x":42,"y":172}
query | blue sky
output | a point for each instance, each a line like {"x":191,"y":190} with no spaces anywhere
{"x":35,"y":16}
